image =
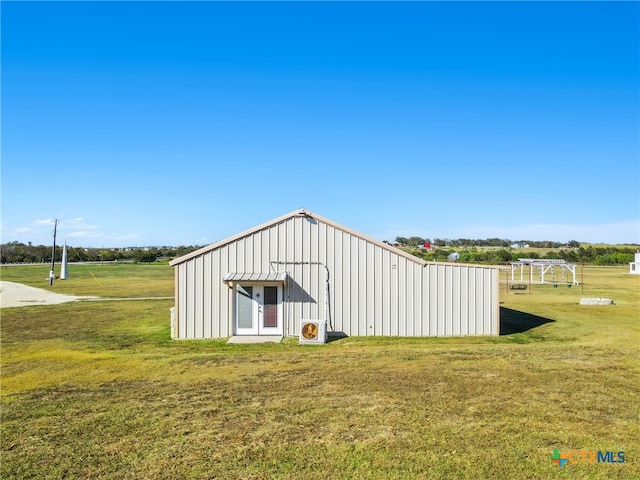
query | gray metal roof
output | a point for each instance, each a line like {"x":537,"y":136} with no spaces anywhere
{"x":256,"y":277}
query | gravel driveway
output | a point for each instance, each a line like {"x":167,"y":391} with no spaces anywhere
{"x":19,"y":295}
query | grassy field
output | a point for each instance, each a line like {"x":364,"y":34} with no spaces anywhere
{"x":98,"y":390}
{"x":111,"y":280}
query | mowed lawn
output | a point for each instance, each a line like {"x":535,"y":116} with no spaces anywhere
{"x":98,"y":390}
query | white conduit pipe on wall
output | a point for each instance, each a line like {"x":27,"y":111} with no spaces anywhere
{"x":327,"y":317}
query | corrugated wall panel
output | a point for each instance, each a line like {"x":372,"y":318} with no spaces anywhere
{"x":252,"y":253}
{"x":463,"y":314}
{"x":471,"y":301}
{"x":438,"y":300}
{"x":185,"y":305}
{"x":442,"y":300}
{"x":191,"y":301}
{"x":417,"y":295}
{"x":315,"y":270}
{"x":486,"y":292}
{"x":215,"y":294}
{"x":361,"y":282}
{"x":181,"y":307}
{"x":282,"y":241}
{"x":236,"y":257}
{"x":460,"y":301}
{"x":454,"y":307}
{"x":351,"y":269}
{"x":448,"y":288}
{"x":197,"y":299}
{"x":262,"y":263}
{"x":321,"y":256}
{"x":389,"y":294}
{"x":413,"y":314}
{"x":393,"y":295}
{"x":370,"y":288}
{"x":495,"y":301}
{"x":401,"y":296}
{"x":231,"y":256}
{"x":341,"y":299}
{"x":354,"y":295}
{"x":330,"y":262}
{"x":483,"y":298}
{"x":479,"y":294}
{"x":310,"y":239}
{"x":378,"y":295}
{"x":386,"y":293}
{"x":409,"y":299}
{"x":321,"y":251}
{"x":271,"y":253}
{"x":298,"y":239}
{"x":424,"y":289}
{"x":433,"y":299}
{"x":206,"y":294}
{"x":449,"y":293}
{"x":225,"y":308}
{"x":336,"y":279}
{"x":298,"y":310}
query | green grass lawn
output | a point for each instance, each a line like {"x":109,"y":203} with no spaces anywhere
{"x":111,"y":280}
{"x":98,"y":390}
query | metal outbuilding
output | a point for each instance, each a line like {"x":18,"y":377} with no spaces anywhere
{"x":265,"y":280}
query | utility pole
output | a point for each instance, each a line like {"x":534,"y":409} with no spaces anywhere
{"x":52,"y":275}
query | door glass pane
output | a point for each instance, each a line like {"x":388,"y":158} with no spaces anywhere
{"x":270,"y":317}
{"x":245,"y":307}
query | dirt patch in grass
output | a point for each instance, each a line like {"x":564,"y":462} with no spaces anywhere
{"x":18,"y":295}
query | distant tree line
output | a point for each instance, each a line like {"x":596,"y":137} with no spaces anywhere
{"x":589,"y":254}
{"x":476,"y":242}
{"x":16,"y":252}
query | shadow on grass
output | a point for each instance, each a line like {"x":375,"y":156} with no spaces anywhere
{"x":514,"y":321}
{"x":336,"y":336}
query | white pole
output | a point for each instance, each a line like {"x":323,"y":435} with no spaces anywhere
{"x":64,"y":273}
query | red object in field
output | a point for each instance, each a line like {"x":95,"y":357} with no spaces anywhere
{"x":427,"y":245}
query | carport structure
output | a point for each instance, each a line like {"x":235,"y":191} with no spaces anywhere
{"x":544,"y":267}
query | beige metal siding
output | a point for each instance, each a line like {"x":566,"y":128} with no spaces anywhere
{"x":374,"y":289}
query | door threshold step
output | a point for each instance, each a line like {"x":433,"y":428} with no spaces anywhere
{"x":255,"y":339}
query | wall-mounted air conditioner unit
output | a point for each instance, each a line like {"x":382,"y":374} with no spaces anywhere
{"x":313,"y":331}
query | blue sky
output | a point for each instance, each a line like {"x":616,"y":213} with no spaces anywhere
{"x":166,"y":123}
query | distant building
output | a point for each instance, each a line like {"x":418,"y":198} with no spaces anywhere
{"x":519,"y":245}
{"x":634,"y":267}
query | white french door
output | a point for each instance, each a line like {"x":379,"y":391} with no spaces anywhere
{"x":258,"y":309}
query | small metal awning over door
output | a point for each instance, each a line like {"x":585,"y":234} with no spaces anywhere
{"x":278,"y":277}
